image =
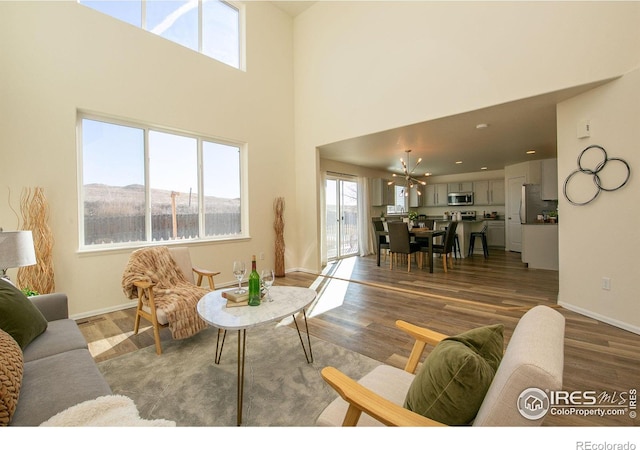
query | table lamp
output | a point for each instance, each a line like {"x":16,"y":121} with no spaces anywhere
{"x":16,"y":250}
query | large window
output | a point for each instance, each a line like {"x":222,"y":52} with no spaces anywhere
{"x":141,"y":184}
{"x":211,"y":27}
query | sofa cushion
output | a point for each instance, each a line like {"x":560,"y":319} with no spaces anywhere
{"x":453,"y":380}
{"x":18,"y":316}
{"x":11,"y":368}
{"x":60,"y":336}
{"x":55,"y":383}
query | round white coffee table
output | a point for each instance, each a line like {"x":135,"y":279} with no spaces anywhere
{"x":287,"y":301}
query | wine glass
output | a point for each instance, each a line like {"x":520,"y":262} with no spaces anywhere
{"x":267,"y":276}
{"x":239,"y":269}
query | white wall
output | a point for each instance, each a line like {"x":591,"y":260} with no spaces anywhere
{"x":364,"y":67}
{"x":601,"y":239}
{"x":60,"y":56}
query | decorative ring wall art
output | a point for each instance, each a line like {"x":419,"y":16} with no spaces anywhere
{"x":596,"y":172}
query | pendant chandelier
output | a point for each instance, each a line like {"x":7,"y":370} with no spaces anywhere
{"x":409,"y":178}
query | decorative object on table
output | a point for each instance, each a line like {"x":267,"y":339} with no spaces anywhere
{"x":595,"y":172}
{"x":234,"y":300}
{"x":239,"y":269}
{"x":408,"y":175}
{"x":254,"y":284}
{"x":267,"y":277}
{"x":16,"y":250}
{"x":278,"y":226}
{"x":35,"y":214}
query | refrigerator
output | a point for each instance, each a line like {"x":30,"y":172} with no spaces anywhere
{"x":532,"y":204}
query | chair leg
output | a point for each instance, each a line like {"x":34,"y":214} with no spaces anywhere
{"x":485,"y":248}
{"x":444,"y":262}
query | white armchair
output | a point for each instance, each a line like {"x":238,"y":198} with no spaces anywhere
{"x":534,"y":358}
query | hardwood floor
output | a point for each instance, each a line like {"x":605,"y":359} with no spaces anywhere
{"x":359,"y":314}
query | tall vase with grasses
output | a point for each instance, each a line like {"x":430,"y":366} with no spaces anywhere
{"x":35,"y":217}
{"x":278,"y":226}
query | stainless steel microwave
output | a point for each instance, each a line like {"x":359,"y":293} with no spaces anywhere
{"x":459,"y":198}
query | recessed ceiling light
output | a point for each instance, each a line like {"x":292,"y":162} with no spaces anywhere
{"x":458,"y":162}
{"x":482,"y":125}
{"x":483,"y":168}
{"x":530,"y":152}
{"x":428,"y":174}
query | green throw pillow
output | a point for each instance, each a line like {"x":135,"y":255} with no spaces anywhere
{"x":18,"y":316}
{"x":454,"y":379}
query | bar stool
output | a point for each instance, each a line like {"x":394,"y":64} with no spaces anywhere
{"x":482,"y":235}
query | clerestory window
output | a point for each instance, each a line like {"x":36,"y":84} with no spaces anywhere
{"x":141,"y":184}
{"x":211,"y":27}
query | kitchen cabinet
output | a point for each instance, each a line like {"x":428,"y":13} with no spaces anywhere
{"x":465,"y":186}
{"x":382,"y":193}
{"x":488,"y":192}
{"x":417,"y":196}
{"x":549,"y":179}
{"x":495,"y":233}
{"x":435,"y":195}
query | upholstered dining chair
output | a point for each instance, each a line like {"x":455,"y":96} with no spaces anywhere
{"x":162,"y":280}
{"x":531,"y":365}
{"x":378,"y":225}
{"x":447,"y":247}
{"x":400,"y":244}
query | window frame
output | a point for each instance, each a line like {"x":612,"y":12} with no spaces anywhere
{"x":148,"y":242}
{"x":238,"y":6}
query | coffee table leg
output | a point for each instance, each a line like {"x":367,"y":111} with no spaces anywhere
{"x":242,"y":341}
{"x":309,"y":356}
{"x":220,"y":345}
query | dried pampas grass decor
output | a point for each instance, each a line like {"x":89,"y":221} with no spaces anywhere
{"x":278,"y":226}
{"x":35,"y":215}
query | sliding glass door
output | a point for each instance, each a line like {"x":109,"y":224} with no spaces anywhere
{"x":342,"y":217}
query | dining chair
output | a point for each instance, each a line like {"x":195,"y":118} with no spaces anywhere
{"x":378,"y":225}
{"x":446,"y":247}
{"x":400,"y":243}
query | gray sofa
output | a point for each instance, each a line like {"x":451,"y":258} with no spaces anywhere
{"x":59,"y":371}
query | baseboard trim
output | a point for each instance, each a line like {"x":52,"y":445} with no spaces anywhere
{"x":585,"y":312}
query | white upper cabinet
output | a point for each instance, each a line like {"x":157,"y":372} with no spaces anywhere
{"x":465,"y":186}
{"x":381,"y":192}
{"x":488,"y":192}
{"x":435,"y":195}
{"x":417,"y":196}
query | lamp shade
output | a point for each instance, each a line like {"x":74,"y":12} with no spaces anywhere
{"x":16,"y":249}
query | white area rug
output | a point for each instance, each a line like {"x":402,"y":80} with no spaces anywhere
{"x":106,"y":411}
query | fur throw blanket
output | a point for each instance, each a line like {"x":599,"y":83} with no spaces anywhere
{"x":172,"y":293}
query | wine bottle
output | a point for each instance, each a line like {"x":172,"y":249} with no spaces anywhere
{"x":254,"y":284}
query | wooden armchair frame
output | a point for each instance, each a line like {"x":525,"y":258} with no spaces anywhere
{"x":361,"y":399}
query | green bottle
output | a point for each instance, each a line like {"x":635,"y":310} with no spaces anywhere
{"x":254,"y":284}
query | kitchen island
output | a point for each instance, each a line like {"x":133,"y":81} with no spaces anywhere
{"x":466,"y":227}
{"x":540,"y":245}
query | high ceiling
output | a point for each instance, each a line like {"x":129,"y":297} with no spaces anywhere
{"x":511,"y":130}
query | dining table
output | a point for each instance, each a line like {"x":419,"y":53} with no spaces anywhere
{"x":423,"y":234}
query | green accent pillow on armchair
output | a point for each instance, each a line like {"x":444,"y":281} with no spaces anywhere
{"x":453,"y":380}
{"x":18,"y":316}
